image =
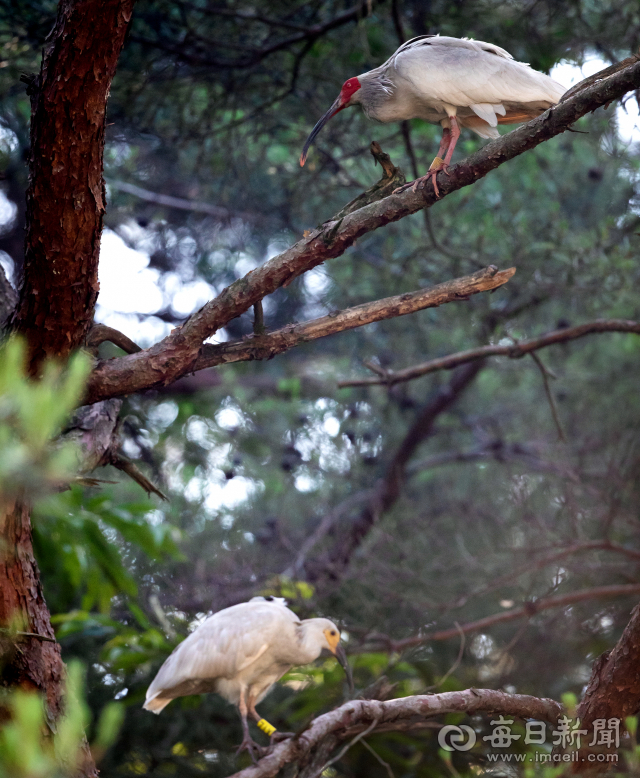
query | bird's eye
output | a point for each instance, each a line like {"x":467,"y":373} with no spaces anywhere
{"x":333,"y":633}
{"x":269,"y":598}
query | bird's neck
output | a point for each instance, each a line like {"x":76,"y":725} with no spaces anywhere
{"x":309,"y":649}
{"x":376,"y":95}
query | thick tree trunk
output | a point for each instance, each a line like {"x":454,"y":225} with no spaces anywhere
{"x":66,"y":196}
{"x":27,"y":661}
{"x":59,"y":287}
{"x":613,"y":693}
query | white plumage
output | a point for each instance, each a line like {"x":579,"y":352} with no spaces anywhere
{"x":454,"y":82}
{"x":240,"y":652}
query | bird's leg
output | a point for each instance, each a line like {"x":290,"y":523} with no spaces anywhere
{"x":455,"y":134}
{"x":248,"y":743}
{"x":264,"y":725}
{"x":439,"y":163}
{"x":447,"y":145}
{"x":448,"y":142}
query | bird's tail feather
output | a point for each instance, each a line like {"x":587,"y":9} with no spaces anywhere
{"x":156,"y":704}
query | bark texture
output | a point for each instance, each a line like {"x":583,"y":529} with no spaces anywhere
{"x":613,"y":691}
{"x":66,"y":195}
{"x":27,"y":662}
{"x":328,"y":731}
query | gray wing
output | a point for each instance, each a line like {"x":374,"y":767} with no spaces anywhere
{"x":464,"y":72}
{"x":222,"y":646}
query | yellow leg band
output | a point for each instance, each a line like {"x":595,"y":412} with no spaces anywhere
{"x":437,"y":164}
{"x":267,"y":728}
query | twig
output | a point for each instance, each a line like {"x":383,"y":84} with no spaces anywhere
{"x":29,"y":635}
{"x":377,"y":756}
{"x":99,"y":333}
{"x":344,"y":750}
{"x":181,"y":203}
{"x":456,"y":664}
{"x":547,"y":389}
{"x":515,"y":351}
{"x":122,"y":463}
{"x":258,"y":319}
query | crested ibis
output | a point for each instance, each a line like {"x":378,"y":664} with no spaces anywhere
{"x":240,"y":652}
{"x":454,"y":82}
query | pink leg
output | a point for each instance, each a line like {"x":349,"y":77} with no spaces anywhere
{"x":248,"y":743}
{"x":439,"y":163}
{"x":444,"y":143}
{"x":455,"y":134}
{"x":447,"y":145}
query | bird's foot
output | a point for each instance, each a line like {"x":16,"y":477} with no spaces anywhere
{"x":436,"y":166}
{"x":250,"y":745}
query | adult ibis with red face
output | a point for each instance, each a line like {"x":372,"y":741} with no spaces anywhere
{"x":454,"y":82}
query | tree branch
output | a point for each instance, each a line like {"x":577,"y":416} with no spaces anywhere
{"x":181,"y":203}
{"x":402,"y":714}
{"x":268,"y":345}
{"x":331,"y":565}
{"x":512,"y":350}
{"x":178,"y":352}
{"x":529,"y":609}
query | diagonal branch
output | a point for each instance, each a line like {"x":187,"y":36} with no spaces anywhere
{"x":404,"y":714}
{"x":332,"y":565}
{"x":268,"y":345}
{"x":178,"y":352}
{"x":511,"y":350}
{"x":526,"y":611}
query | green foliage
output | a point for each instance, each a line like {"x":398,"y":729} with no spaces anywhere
{"x":32,"y":414}
{"x":28,"y":749}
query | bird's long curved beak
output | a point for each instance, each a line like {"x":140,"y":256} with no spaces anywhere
{"x":341,"y":656}
{"x":337,"y":106}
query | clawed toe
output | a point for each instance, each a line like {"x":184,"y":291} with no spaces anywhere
{"x":255,"y":751}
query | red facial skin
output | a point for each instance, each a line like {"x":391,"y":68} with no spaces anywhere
{"x":349,"y":88}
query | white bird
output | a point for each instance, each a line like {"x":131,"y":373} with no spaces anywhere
{"x":454,"y":82}
{"x":240,"y":652}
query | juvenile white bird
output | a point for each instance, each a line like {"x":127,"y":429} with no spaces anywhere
{"x":240,"y":652}
{"x":454,"y":82}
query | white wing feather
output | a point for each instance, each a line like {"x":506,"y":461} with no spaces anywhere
{"x":465,"y":73}
{"x":222,"y":646}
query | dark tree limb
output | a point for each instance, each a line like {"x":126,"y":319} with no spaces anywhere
{"x":180,"y":203}
{"x":614,"y":688}
{"x":526,"y":611}
{"x":331,"y":565}
{"x":8,"y":299}
{"x":100,"y":333}
{"x":351,"y":719}
{"x":176,"y":355}
{"x":513,"y":351}
{"x":66,"y":197}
